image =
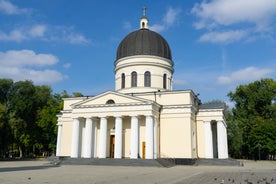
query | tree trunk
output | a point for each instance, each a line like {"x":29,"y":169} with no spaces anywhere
{"x":20,"y":152}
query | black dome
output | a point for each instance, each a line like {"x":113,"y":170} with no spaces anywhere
{"x":144,"y":42}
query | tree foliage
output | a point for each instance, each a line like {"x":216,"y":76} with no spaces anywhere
{"x":254,"y":117}
{"x":28,"y":117}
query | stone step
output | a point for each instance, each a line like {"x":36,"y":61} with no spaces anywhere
{"x":109,"y":162}
{"x":160,"y":162}
{"x":221,"y":162}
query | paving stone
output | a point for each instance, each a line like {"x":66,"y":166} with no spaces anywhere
{"x":33,"y":172}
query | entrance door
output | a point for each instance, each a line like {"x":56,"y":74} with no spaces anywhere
{"x":143,"y":149}
{"x":112,"y":145}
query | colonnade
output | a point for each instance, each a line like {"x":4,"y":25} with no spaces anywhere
{"x":91,"y":124}
{"x":221,"y":140}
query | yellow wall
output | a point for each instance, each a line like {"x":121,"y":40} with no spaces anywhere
{"x":175,"y":137}
{"x":66,"y":138}
{"x":201,"y":139}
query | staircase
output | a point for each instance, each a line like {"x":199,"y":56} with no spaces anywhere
{"x":159,"y":162}
{"x":108,"y":162}
{"x":218,"y":162}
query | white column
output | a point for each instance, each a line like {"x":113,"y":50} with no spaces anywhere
{"x":149,"y":137}
{"x":95,"y":137}
{"x":75,"y":138}
{"x":222,"y":138}
{"x":226,"y":141}
{"x":88,"y":138}
{"x":208,"y":140}
{"x":118,"y":137}
{"x":103,"y":134}
{"x":155,"y":147}
{"x":59,"y":139}
{"x":134,"y":137}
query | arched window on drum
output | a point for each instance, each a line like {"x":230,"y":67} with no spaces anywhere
{"x":147,"y":79}
{"x":133,"y":79}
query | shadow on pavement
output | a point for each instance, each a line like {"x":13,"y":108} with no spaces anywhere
{"x":25,"y":168}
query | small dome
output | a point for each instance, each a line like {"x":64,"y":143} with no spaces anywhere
{"x":144,"y":42}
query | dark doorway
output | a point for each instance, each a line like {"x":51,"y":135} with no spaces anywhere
{"x":215,"y":138}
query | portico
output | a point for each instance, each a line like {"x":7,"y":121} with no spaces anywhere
{"x":84,"y":138}
{"x":215,"y":139}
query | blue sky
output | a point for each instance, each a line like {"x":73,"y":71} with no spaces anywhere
{"x":71,"y":45}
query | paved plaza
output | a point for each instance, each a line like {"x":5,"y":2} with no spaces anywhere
{"x":260,"y":172}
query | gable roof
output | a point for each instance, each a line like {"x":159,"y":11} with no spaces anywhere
{"x":118,"y":98}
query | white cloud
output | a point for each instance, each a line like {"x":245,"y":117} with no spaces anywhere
{"x":229,"y":12}
{"x":38,"y":30}
{"x":14,"y":35}
{"x":223,"y":37}
{"x":75,"y":38}
{"x":45,"y":32}
{"x":22,"y":65}
{"x":66,"y":65}
{"x":10,"y":9}
{"x":171,"y":15}
{"x":245,"y":75}
{"x":66,"y":34}
{"x":167,"y":21}
{"x":26,"y":58}
{"x":24,"y":33}
{"x":42,"y":32}
{"x":255,"y":15}
{"x":158,"y":27}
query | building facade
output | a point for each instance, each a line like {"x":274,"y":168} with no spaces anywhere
{"x":144,"y":117}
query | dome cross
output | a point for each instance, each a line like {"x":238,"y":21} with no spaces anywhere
{"x":144,"y":9}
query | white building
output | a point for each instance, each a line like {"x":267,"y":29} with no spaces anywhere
{"x":143,"y":117}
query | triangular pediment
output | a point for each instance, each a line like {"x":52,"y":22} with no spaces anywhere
{"x":109,"y":96}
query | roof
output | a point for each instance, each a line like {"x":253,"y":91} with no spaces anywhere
{"x":144,"y":42}
{"x":212,"y":106}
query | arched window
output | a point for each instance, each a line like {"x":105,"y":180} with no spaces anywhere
{"x":134,"y":79}
{"x":110,"y":101}
{"x":147,"y":79}
{"x":123,"y":80}
{"x":165,"y":81}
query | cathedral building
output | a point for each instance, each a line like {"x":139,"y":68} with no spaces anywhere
{"x":144,"y":118}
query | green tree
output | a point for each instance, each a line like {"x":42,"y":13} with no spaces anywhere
{"x":77,"y":94}
{"x":262,"y":136}
{"x":255,"y":110}
{"x":28,"y":117}
{"x":5,"y":129}
{"x":47,"y":121}
{"x":22,"y":111}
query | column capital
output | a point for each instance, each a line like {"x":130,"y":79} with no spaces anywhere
{"x":223,"y":122}
{"x":103,"y":117}
{"x":118,"y":116}
{"x":136,"y":116}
